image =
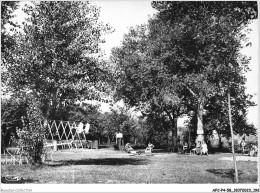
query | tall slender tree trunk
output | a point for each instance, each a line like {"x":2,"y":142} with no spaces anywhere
{"x":232,"y":137}
{"x":167,"y":143}
{"x":174,"y":134}
{"x":173,"y":118}
{"x":200,"y":130}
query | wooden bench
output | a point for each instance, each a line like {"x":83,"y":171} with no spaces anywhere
{"x":65,"y":143}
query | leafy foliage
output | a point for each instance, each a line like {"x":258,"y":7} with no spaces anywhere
{"x":158,"y":126}
{"x":142,"y":81}
{"x":120,"y":120}
{"x":56,"y":59}
{"x":204,"y":42}
{"x":32,"y":135}
{"x":57,"y":54}
{"x":7,"y":9}
{"x":11,"y":112}
{"x":184,"y":60}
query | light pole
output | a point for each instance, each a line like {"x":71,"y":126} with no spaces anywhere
{"x":231,"y":128}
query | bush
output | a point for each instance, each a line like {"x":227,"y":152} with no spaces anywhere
{"x":32,"y":134}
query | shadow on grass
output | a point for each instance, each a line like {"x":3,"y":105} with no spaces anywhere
{"x":107,"y":161}
{"x":103,"y":147}
{"x":22,"y":181}
{"x":225,"y":173}
{"x":160,"y":151}
{"x":154,"y":151}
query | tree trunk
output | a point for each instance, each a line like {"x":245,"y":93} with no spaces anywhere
{"x":200,"y":131}
{"x":189,"y":145}
{"x":173,"y":118}
{"x":174,"y":134}
{"x":167,"y":141}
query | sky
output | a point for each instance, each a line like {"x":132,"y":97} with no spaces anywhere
{"x":252,"y":76}
{"x":122,"y":15}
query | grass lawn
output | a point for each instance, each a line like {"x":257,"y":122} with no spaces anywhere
{"x":105,"y":166}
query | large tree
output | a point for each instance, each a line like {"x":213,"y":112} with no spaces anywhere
{"x":179,"y":61}
{"x":204,"y":43}
{"x":56,"y":56}
{"x":142,"y":80}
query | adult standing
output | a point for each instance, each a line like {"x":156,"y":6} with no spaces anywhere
{"x":150,"y":146}
{"x":243,"y":145}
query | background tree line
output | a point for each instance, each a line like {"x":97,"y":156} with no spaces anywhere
{"x":183,"y":60}
{"x":179,"y":63}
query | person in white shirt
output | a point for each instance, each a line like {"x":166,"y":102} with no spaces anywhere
{"x":150,"y":146}
{"x":204,"y":148}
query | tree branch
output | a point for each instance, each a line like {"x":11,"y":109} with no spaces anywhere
{"x":170,"y":116}
{"x":193,"y":93}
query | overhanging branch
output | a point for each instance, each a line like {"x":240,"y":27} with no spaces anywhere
{"x":193,"y":93}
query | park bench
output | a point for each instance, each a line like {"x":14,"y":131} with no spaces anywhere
{"x":63,"y":143}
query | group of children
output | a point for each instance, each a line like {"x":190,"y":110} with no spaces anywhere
{"x":252,"y":148}
{"x":202,"y":148}
{"x":129,"y":148}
